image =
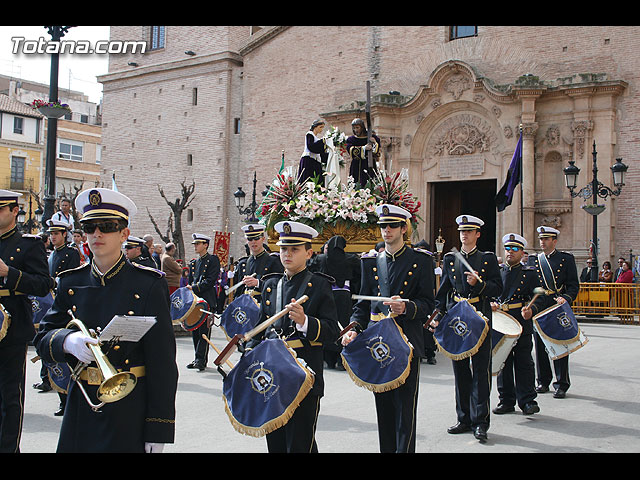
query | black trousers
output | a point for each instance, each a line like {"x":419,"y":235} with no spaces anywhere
{"x":543,"y":368}
{"x":517,"y":380}
{"x":396,"y":412}
{"x":13,"y":360}
{"x":200,"y":345}
{"x":298,"y":434}
{"x":473,"y":386}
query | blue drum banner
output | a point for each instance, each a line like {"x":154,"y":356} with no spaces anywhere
{"x":379,"y":358}
{"x":461,"y":332}
{"x":263,"y":390}
{"x":240,"y":316}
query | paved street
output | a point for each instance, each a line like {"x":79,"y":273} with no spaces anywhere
{"x":601,"y":413}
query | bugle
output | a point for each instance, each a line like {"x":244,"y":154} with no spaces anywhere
{"x":115,"y":385}
{"x":228,"y":350}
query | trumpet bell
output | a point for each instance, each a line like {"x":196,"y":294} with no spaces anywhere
{"x":117,"y":387}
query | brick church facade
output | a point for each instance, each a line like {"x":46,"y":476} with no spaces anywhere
{"x":216,"y":104}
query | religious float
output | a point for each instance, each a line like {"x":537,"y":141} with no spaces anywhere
{"x":335,"y":208}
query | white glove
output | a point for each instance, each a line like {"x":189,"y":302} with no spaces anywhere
{"x":76,"y":344}
{"x":153,"y":447}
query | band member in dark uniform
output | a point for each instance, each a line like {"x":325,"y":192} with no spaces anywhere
{"x":559,"y":276}
{"x":134,"y":251}
{"x":96,"y":292}
{"x":23,"y":272}
{"x":516,"y":380}
{"x":64,"y":256}
{"x":408,"y":275}
{"x":357,"y":145}
{"x":306,"y":328}
{"x":203,"y":275}
{"x":259,"y":262}
{"x":314,"y":155}
{"x":472,"y":375}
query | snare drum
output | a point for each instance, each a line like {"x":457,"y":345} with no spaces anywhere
{"x":559,"y":331}
{"x":187,"y":309}
{"x":505,"y":331}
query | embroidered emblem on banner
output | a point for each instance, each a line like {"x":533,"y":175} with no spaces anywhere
{"x":564,"y":320}
{"x":460,"y":327}
{"x":239,"y":315}
{"x":261,"y":380}
{"x":380,"y":351}
{"x":177,"y":302}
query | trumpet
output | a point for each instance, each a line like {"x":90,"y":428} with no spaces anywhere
{"x":115,"y":385}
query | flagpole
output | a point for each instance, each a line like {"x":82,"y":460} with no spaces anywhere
{"x":521,"y":189}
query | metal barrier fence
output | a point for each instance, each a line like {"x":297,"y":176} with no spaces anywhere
{"x":620,"y":300}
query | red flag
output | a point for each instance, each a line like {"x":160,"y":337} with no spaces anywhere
{"x":221,"y":246}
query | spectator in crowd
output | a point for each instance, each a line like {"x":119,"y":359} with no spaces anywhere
{"x":627,"y":274}
{"x":171,"y":268}
{"x":82,"y":246}
{"x":587,"y":272}
{"x":606,"y":274}
{"x":618,"y":271}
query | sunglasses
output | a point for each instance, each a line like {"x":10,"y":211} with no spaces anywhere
{"x":392,"y":225}
{"x":105,"y":227}
{"x":515,"y":249}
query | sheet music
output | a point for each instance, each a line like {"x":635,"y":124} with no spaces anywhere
{"x":127,"y":328}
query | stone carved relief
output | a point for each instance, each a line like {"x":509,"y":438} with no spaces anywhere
{"x":580,"y":130}
{"x":553,"y":135}
{"x":552,"y":221}
{"x":463,"y":139}
{"x":456,"y":85}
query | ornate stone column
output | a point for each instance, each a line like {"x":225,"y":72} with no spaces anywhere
{"x":528,"y":180}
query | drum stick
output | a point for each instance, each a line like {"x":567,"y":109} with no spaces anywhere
{"x":240,"y":284}
{"x":465,"y":263}
{"x":216,"y":349}
{"x":378,"y":299}
{"x":537,"y":292}
{"x":226,"y":351}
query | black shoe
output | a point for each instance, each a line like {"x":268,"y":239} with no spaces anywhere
{"x":530,"y":408}
{"x":197,"y":364}
{"x":560,"y":393}
{"x":542,"y":389}
{"x":459,"y":428}
{"x":480,"y":432}
{"x":502,"y":409}
{"x":431,"y":361}
{"x":59,"y":413}
{"x":43,"y":386}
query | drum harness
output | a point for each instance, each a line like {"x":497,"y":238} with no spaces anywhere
{"x":280,"y":331}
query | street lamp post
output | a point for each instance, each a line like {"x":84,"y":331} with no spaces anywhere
{"x":31,"y":223}
{"x":56,"y":32}
{"x":594,"y":190}
{"x":250,"y":210}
